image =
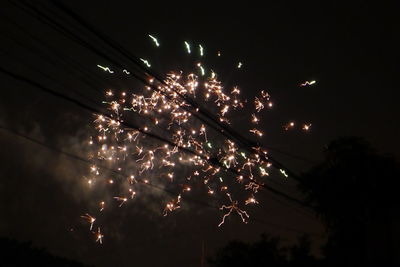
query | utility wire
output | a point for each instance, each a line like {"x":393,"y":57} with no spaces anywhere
{"x":188,"y":199}
{"x":94,"y":110}
{"x":102,"y":54}
{"x":224,"y":130}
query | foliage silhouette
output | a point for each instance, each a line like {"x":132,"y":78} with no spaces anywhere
{"x":14,"y":253}
{"x":354,"y":191}
{"x":265,"y":252}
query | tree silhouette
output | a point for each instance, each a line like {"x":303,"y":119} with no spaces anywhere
{"x":354,"y":191}
{"x":300,"y":254}
{"x":15,"y":253}
{"x":265,"y":252}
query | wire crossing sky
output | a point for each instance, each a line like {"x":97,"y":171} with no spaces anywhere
{"x":206,"y":121}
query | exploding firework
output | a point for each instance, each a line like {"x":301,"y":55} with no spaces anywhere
{"x":176,"y":146}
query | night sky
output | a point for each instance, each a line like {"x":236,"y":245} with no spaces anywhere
{"x":349,"y":49}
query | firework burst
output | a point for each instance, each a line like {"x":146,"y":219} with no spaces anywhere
{"x":174,"y":146}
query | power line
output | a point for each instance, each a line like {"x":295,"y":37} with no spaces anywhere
{"x":189,"y":199}
{"x":89,"y":108}
{"x":224,"y":130}
{"x":91,"y":101}
{"x":90,"y":47}
{"x":52,"y":62}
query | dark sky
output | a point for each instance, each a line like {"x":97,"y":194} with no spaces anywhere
{"x":351,"y":50}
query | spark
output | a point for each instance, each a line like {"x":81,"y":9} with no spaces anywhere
{"x":308,"y":83}
{"x":251,"y":200}
{"x":249,"y":163}
{"x":210,"y":191}
{"x":90,"y":219}
{"x":284,"y":173}
{"x":203,"y":72}
{"x":201,"y":50}
{"x":146,"y":62}
{"x":289,"y":125}
{"x":240,"y":64}
{"x":203,"y":132}
{"x":187,"y":47}
{"x":235,"y":91}
{"x":102,"y":205}
{"x":224,"y":110}
{"x":306,"y":127}
{"x":172,"y":205}
{"x":263,"y":171}
{"x":213,"y":74}
{"x":154,"y":40}
{"x":99,"y":236}
{"x":233,"y":207}
{"x":254,"y":119}
{"x":256,"y":132}
{"x":121,"y":200}
{"x":105,"y":69}
{"x":252,"y":186}
{"x":258,"y":104}
{"x":132,"y":193}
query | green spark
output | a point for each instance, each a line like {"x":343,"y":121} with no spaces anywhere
{"x":201,"y":50}
{"x":154,"y":40}
{"x":187,"y":47}
{"x":284,"y":173}
{"x":226,"y":164}
{"x":105,"y":68}
{"x":203,"y":72}
{"x":146,"y":62}
{"x":213,"y":74}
